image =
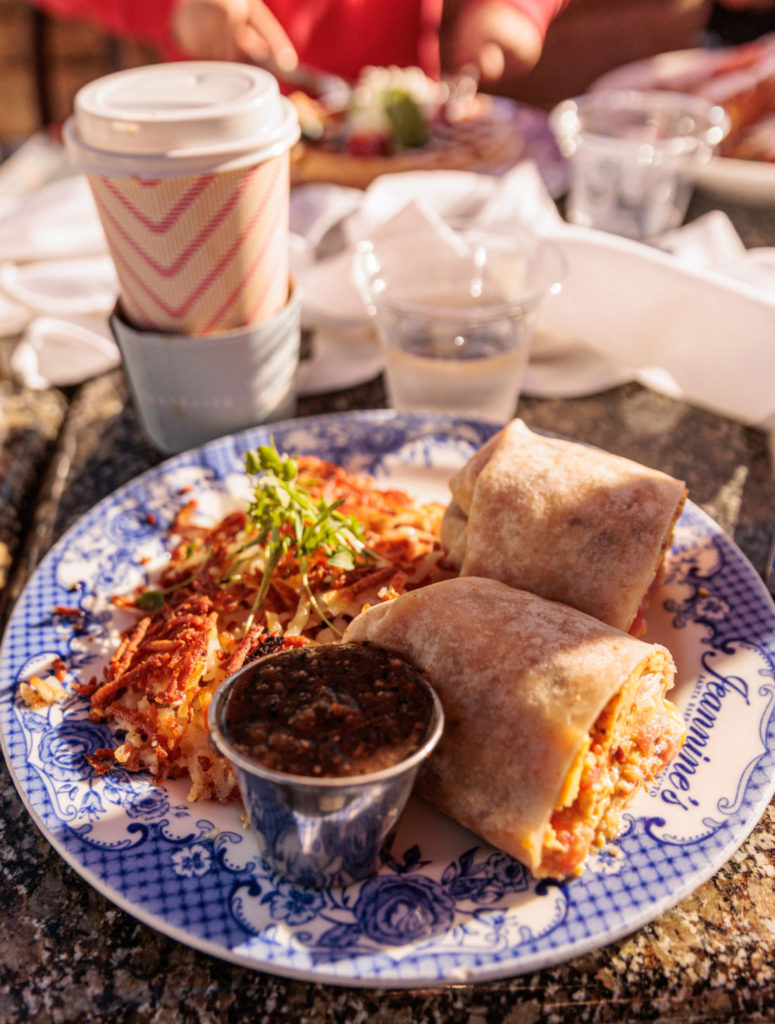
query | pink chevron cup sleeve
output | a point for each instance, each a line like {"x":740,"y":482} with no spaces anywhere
{"x":202,"y":253}
{"x":189,"y":166}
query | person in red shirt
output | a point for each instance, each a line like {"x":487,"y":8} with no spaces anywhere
{"x":534,"y":50}
{"x":345,"y":35}
{"x":340,"y":36}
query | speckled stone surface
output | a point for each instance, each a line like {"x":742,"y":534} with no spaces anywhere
{"x":68,"y":956}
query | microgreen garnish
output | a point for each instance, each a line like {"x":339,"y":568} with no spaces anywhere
{"x":150,"y":600}
{"x":153,"y":600}
{"x":288,"y":519}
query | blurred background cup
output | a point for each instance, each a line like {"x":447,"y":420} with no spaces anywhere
{"x":189,"y":167}
{"x":455,"y":311}
{"x":635,"y":157}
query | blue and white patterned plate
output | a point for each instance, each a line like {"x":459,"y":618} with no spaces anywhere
{"x":447,"y":908}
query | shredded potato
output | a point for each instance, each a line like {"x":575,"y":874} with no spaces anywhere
{"x":39,"y":693}
{"x":159,"y":682}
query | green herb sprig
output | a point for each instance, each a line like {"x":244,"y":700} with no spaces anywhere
{"x":288,"y":519}
{"x":154,"y":600}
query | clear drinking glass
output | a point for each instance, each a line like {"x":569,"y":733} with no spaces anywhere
{"x":455,"y":313}
{"x":635,"y":157}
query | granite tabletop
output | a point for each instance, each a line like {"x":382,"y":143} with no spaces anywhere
{"x":68,"y":955}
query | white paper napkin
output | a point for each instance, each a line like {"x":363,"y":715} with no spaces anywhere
{"x":330,"y":299}
{"x":452,"y":194}
{"x":59,"y":220}
{"x":691,"y":332}
{"x":62,"y":287}
{"x":57,"y":286}
{"x":37,"y":161}
{"x":695,"y":318}
{"x":519,"y":196}
{"x":318,"y":207}
{"x":710,"y":241}
{"x":14,"y":316}
{"x":58,"y":353}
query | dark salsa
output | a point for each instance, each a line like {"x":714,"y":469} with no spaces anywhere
{"x":329,"y":711}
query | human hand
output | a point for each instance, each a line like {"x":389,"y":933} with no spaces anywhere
{"x":496,"y":39}
{"x":231,"y":30}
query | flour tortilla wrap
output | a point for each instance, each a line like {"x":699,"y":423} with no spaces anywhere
{"x":553,"y":719}
{"x":563,"y":520}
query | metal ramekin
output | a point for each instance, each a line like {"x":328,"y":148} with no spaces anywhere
{"x":320,"y":832}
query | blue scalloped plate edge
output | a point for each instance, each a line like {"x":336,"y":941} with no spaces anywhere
{"x":408,"y":971}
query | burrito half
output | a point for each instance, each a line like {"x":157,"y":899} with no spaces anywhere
{"x":563,"y":520}
{"x":553,"y":720}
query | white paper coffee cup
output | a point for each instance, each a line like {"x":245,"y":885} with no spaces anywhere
{"x":189,"y":168}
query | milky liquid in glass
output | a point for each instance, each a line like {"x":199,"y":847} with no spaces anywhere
{"x":464,"y":366}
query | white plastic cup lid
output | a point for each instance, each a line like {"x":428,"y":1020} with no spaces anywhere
{"x":172,"y":119}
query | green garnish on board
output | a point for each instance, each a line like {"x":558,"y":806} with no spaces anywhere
{"x":410,"y":128}
{"x":289,"y":519}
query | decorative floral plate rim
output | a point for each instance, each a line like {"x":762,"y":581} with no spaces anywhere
{"x":445,"y":907}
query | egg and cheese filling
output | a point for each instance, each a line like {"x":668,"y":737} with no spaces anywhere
{"x":636,"y":735}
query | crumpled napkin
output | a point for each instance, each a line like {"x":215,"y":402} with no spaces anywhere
{"x":59,"y":353}
{"x":693,"y":328}
{"x":57,"y":286}
{"x":330,"y":298}
{"x":692,"y":317}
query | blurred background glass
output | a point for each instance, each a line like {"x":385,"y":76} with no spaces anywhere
{"x":635,"y":157}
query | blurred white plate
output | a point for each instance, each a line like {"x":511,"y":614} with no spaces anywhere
{"x":340,"y":359}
